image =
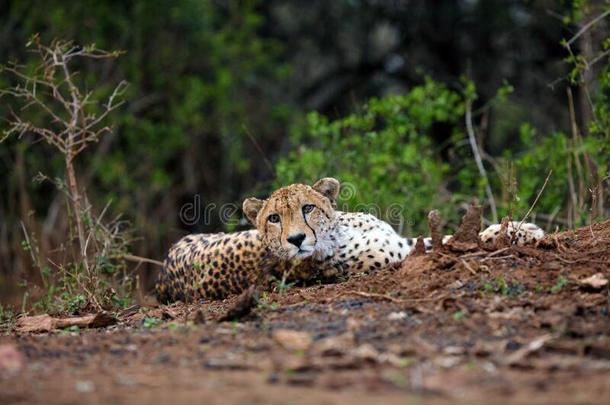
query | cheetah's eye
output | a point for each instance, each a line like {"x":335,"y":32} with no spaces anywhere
{"x":307,"y":208}
{"x":273,"y":218}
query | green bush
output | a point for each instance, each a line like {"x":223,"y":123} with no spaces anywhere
{"x":384,"y":157}
{"x":390,"y":166}
{"x":577,"y":169}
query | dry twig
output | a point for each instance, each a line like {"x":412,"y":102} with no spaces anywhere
{"x":477,"y":157}
{"x":529,"y":211}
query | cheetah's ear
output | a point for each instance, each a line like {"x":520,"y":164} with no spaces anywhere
{"x":329,"y":188}
{"x":251,"y":207}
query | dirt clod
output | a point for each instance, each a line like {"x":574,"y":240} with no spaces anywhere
{"x":243,"y":305}
{"x":466,"y":238}
{"x":436,"y":232}
{"x":503,"y":240}
{"x":420,"y":247}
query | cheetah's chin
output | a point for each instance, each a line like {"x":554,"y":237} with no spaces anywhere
{"x":303,"y":253}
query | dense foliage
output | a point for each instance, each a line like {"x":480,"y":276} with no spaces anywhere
{"x":392,"y":167}
{"x":384,"y":156}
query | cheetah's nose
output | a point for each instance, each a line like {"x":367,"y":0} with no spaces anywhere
{"x":297,"y":239}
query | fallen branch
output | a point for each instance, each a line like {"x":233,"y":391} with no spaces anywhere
{"x":477,"y":157}
{"x":387,"y":297}
{"x":470,"y":269}
{"x":46,"y":323}
{"x":373,"y":295}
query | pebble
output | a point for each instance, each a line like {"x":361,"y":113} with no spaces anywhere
{"x":84,"y":386}
{"x":11,"y":359}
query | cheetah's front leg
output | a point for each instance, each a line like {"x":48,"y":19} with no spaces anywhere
{"x":520,"y":235}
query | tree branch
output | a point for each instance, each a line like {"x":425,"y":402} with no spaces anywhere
{"x":477,"y":157}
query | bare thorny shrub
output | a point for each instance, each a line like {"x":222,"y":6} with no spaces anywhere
{"x":55,"y":108}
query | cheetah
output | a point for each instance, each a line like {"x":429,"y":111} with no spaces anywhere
{"x":300,"y":234}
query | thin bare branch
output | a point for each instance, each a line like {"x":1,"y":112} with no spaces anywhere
{"x":548,"y":176}
{"x":139,"y":259}
{"x":586,"y":27}
{"x":477,"y":157}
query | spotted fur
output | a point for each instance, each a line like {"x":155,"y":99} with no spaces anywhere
{"x":299,"y":234}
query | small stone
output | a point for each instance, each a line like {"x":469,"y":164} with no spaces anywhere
{"x":353,"y":324}
{"x":11,"y":359}
{"x":366,"y":352}
{"x":125,"y":380}
{"x":292,"y":340}
{"x":84,"y":386}
{"x":398,"y":316}
{"x":448,"y":361}
{"x":131,"y":348}
{"x":273,"y":377}
{"x":454,"y":350}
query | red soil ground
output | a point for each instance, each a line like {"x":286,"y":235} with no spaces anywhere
{"x":469,"y":324}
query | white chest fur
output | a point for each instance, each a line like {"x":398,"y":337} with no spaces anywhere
{"x":364,"y":242}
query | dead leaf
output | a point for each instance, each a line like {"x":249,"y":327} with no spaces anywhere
{"x":292,"y":340}
{"x":595,"y":282}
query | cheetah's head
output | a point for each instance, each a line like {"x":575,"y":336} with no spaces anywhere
{"x":296,"y":221}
